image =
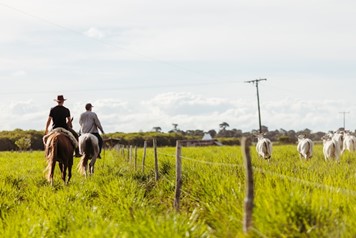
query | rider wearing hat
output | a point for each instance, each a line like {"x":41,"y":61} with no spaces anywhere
{"x":60,"y":117}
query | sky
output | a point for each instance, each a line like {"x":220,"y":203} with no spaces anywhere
{"x":145,"y":64}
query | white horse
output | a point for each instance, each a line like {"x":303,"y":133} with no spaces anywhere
{"x":89,"y":148}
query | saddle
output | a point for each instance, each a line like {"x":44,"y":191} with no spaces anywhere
{"x":62,"y":131}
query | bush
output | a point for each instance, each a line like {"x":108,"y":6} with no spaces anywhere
{"x":24,"y":143}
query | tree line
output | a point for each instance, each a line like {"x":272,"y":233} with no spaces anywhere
{"x":22,"y":140}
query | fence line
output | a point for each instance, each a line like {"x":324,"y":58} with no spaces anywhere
{"x":204,"y":162}
{"x":311,"y":184}
{"x":212,"y":163}
{"x":144,"y":156}
{"x":156,"y":159}
{"x":250,"y":190}
{"x":178,"y":176}
{"x":248,"y":202}
{"x":344,"y":191}
{"x":197,"y":199}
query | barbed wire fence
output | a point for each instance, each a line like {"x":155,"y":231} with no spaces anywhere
{"x":249,"y":171}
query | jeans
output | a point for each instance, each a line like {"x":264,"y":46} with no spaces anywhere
{"x":100,"y":141}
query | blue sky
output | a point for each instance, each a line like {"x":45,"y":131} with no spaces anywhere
{"x":154,"y":63}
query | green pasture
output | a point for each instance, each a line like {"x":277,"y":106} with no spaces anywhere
{"x":293,"y":197}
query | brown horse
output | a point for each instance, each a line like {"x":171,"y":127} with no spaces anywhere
{"x":59,"y":146}
{"x":89,"y":148}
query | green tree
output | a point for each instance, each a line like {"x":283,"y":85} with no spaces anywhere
{"x":175,"y":127}
{"x":24,"y":143}
{"x":212,"y":132}
{"x":157,"y":129}
{"x":223,"y":125}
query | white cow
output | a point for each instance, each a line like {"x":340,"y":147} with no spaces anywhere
{"x":305,"y":147}
{"x":331,"y":148}
{"x":264,"y":147}
{"x":349,"y":142}
{"x":338,"y":137}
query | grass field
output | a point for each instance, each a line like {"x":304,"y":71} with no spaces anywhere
{"x":293,"y":198}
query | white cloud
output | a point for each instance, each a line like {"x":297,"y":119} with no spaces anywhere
{"x":19,"y":73}
{"x":145,"y":64}
{"x":22,"y":114}
{"x":189,"y":111}
{"x":95,"y":33}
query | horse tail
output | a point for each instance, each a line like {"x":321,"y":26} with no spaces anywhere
{"x":87,"y":153}
{"x":89,"y":147}
{"x":83,"y":163}
{"x":51,"y":154}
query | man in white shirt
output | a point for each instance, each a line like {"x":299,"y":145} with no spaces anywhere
{"x":89,"y":123}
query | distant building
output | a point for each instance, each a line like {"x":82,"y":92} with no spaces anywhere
{"x":207,"y":136}
{"x":207,"y":140}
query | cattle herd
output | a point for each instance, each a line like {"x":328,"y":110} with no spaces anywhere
{"x":334,"y":144}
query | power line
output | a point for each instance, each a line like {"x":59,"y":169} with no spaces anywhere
{"x":132,"y":87}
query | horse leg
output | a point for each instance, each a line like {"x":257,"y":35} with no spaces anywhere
{"x":69,"y":173}
{"x":70,"y":165}
{"x":92,"y":169}
{"x":64,"y":172}
{"x":60,"y":165}
{"x":87,"y":165}
{"x":51,"y":173}
{"x":91,"y":166}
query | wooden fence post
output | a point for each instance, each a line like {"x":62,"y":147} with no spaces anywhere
{"x":178,"y":175}
{"x":118,"y":148}
{"x":135,"y":164}
{"x":248,"y":203}
{"x":156,"y":158}
{"x":144,"y":156}
{"x":128,"y":153}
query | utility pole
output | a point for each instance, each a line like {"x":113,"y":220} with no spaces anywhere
{"x":256,"y":81}
{"x":344,"y":118}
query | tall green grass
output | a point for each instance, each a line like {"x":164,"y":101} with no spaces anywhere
{"x":293,"y":197}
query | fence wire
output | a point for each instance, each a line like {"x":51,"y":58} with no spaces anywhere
{"x":347,"y":192}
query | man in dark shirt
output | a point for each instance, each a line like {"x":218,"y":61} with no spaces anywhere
{"x":60,"y":117}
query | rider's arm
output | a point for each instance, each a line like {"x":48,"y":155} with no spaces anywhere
{"x":47,"y":124}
